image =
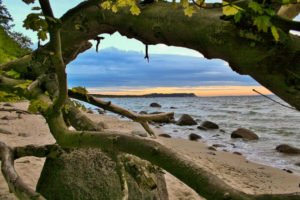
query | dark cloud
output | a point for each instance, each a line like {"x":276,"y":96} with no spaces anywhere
{"x":112,"y":67}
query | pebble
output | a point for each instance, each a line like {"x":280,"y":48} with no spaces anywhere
{"x":164,"y":135}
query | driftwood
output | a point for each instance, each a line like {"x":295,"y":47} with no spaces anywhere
{"x":107,"y":105}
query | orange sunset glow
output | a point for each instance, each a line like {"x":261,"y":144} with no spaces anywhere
{"x":199,"y":91}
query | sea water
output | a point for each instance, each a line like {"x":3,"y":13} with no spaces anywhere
{"x":273,"y":123}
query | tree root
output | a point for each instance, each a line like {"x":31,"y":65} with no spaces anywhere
{"x":14,"y":181}
{"x":142,"y":119}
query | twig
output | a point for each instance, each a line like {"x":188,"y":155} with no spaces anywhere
{"x":274,"y":100}
{"x":146,"y":53}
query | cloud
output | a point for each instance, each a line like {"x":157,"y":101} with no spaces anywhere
{"x":114,"y":68}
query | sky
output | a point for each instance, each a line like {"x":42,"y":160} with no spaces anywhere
{"x":120,"y":67}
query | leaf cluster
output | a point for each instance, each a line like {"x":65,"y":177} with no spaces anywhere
{"x":114,"y":7}
{"x":259,"y":14}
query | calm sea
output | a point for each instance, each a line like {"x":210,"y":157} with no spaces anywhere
{"x":274,"y":124}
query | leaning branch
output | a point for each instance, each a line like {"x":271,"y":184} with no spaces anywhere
{"x":15,"y":183}
{"x":142,"y":119}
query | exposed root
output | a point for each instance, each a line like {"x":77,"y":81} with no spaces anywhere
{"x":14,"y":181}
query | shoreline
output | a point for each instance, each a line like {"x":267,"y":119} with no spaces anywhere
{"x":235,"y":170}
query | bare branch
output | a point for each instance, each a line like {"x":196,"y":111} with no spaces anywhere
{"x":122,"y":111}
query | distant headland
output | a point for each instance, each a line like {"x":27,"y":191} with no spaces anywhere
{"x":146,"y":95}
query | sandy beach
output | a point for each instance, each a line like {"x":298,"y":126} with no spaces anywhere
{"x":233,"y":169}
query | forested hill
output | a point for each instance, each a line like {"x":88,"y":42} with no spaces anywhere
{"x":9,"y":49}
{"x":147,"y":95}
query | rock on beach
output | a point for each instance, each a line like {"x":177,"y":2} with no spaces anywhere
{"x":186,"y":120}
{"x":245,"y":134}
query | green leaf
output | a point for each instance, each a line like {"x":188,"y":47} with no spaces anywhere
{"x":262,"y":22}
{"x":189,"y":11}
{"x":42,"y":35}
{"x":114,"y":9}
{"x":135,"y":10}
{"x":184,"y":3}
{"x":106,"y":5}
{"x":13,"y":74}
{"x":275,"y":33}
{"x":67,"y":108}
{"x":229,"y":9}
{"x":37,"y":105}
{"x":256,"y":7}
{"x":238,"y":17}
{"x":269,"y":11}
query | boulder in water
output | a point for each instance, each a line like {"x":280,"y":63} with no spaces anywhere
{"x":186,"y":120}
{"x":285,"y":148}
{"x":202,"y":128}
{"x":194,"y":137}
{"x":155,"y":105}
{"x":143,"y":112}
{"x":245,"y":134}
{"x":209,"y":125}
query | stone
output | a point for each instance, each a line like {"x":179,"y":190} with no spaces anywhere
{"x":237,"y":153}
{"x":143,"y":113}
{"x":155,"y":105}
{"x":100,"y":111}
{"x":287,"y":149}
{"x":245,"y":134}
{"x":211,"y":153}
{"x":194,"y":137}
{"x":173,"y":107}
{"x":6,"y":132}
{"x":297,"y":164}
{"x":8,"y":105}
{"x":209,"y":125}
{"x":202,"y":128}
{"x":23,"y":135}
{"x":222,"y":131}
{"x":139,"y":133}
{"x":288,"y":171}
{"x":91,"y":174}
{"x":90,"y":111}
{"x":212,"y":148}
{"x":186,"y":120}
{"x":175,"y":131}
{"x":218,"y":145}
{"x":165,"y":135}
{"x":9,"y":118}
{"x":216,"y":135}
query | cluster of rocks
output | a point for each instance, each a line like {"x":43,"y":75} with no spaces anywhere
{"x":240,"y":133}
